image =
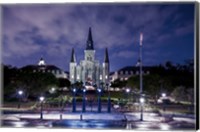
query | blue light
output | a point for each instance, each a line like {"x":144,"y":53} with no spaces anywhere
{"x":84,"y":90}
{"x":74,"y":90}
{"x":99,"y":90}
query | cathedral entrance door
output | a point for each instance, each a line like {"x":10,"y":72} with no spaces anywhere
{"x":89,"y":84}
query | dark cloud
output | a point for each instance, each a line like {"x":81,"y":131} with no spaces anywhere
{"x":31,"y":31}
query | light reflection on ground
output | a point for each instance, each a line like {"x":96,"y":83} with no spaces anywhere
{"x":151,"y":121}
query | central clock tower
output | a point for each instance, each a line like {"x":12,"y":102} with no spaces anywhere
{"x":89,"y":52}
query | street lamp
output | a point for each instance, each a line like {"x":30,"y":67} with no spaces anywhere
{"x":127,"y":91}
{"x":84,"y":91}
{"x":109,"y":103}
{"x":163,"y":97}
{"x":163,"y":94}
{"x":99,"y":99}
{"x":53,"y":90}
{"x":20,"y":93}
{"x":41,"y":106}
{"x":74,"y":100}
{"x":142,"y":100}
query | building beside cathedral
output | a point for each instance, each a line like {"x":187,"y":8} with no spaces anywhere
{"x":89,"y":71}
{"x":41,"y":66}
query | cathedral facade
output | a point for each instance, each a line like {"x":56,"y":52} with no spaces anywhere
{"x":89,"y":71}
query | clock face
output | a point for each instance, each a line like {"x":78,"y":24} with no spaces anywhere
{"x":89,"y":57}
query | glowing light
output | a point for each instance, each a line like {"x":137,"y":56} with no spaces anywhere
{"x":84,"y":90}
{"x":53,"y":89}
{"x":128,"y":90}
{"x":106,"y":76}
{"x":99,"y":90}
{"x":20,"y":92}
{"x":164,"y":127}
{"x":41,"y":62}
{"x":142,"y":100}
{"x":74,"y":90}
{"x":19,"y":124}
{"x":163,"y":94}
{"x":41,"y":98}
{"x":100,"y":77}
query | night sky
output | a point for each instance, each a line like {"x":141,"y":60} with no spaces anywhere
{"x":52,"y":30}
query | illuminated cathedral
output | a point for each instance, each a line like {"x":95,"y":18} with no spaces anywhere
{"x":89,"y":71}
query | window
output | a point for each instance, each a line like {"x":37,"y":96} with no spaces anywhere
{"x":100,"y":77}
{"x":126,"y":72}
{"x":106,"y":77}
{"x":121,"y":72}
{"x":53,"y":71}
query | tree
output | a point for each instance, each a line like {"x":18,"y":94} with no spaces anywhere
{"x":36,"y":83}
{"x":179,"y":93}
{"x":118,"y":83}
{"x":31,"y":83}
{"x":78,"y":85}
{"x":9,"y":75}
{"x":190,"y":95}
{"x":63,"y":82}
{"x":153,"y":85}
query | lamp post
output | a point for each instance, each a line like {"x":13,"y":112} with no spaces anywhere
{"x":142,"y":100}
{"x":99,"y":99}
{"x":20,"y":93}
{"x":163,"y":96}
{"x":109,"y":103}
{"x":128,"y":91}
{"x":74,"y":100}
{"x":53,"y":90}
{"x":41,"y":107}
{"x":84,"y":91}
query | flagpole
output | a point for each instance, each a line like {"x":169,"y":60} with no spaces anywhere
{"x":141,"y":79}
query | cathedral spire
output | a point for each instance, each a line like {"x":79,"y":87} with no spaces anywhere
{"x":89,"y":45}
{"x":106,"y":58}
{"x":73,"y":58}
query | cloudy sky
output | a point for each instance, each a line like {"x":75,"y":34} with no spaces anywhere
{"x":52,"y":30}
